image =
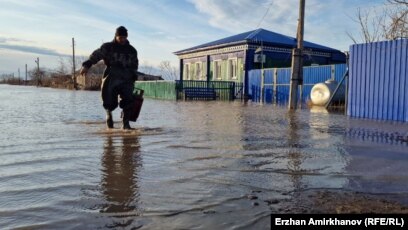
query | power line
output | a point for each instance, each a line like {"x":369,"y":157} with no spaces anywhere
{"x":266,"y":13}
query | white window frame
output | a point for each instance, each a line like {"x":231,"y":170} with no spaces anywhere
{"x":198,"y":75}
{"x":216,"y":77}
{"x":187,"y":68}
{"x":230,"y":60}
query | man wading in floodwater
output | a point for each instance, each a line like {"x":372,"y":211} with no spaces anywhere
{"x":121,"y":71}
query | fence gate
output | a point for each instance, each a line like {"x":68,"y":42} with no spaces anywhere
{"x":208,"y":90}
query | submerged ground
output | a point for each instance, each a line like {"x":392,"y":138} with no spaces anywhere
{"x":189,"y":164}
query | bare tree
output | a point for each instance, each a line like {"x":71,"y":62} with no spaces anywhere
{"x":62,"y":68}
{"x":390,"y":22}
{"x":38,"y":76}
{"x":9,"y":79}
{"x":168,"y":71}
{"x":78,"y":62}
{"x":146,"y":68}
{"x":370,"y":22}
{"x":98,"y":69}
{"x":402,"y":2}
{"x":398,"y":20}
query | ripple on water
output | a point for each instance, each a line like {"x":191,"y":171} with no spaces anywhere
{"x":202,"y":165}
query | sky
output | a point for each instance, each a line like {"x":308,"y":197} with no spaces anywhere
{"x":157,"y":28}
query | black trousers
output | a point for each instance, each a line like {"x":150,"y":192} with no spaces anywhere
{"x":117,"y":82}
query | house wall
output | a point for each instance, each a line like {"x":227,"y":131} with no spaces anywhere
{"x":191,"y":65}
{"x":284,"y":59}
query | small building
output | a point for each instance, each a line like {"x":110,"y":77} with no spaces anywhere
{"x":148,"y":77}
{"x":91,"y":81}
{"x":231,"y":58}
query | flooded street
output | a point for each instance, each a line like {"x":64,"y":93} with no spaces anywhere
{"x":189,"y":165}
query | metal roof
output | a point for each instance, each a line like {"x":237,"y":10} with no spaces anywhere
{"x":256,"y":36}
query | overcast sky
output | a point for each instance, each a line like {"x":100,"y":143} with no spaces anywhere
{"x":157,"y":28}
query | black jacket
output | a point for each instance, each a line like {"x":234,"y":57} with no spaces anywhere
{"x":114,"y":55}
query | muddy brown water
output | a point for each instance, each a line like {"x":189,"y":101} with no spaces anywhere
{"x":188,"y":165}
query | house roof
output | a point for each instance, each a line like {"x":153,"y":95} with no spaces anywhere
{"x":256,"y":36}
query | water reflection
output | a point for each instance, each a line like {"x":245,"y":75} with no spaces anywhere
{"x":380,"y":146}
{"x":121,"y":164}
{"x":294,"y":154}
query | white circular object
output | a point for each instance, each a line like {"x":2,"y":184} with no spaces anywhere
{"x":322,"y":92}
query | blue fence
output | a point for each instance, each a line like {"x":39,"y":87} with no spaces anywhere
{"x":378,"y":84}
{"x":277,"y":82}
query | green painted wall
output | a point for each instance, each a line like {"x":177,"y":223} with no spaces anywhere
{"x":158,"y":89}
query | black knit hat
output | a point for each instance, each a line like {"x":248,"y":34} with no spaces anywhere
{"x":121,"y":31}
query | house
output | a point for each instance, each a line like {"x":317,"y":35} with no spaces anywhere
{"x":231,"y":58}
{"x":148,"y":77}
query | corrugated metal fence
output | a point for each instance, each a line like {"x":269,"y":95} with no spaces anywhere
{"x":277,"y":82}
{"x":378,"y":84}
{"x":158,"y":89}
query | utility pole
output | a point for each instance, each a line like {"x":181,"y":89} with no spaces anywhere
{"x":25,"y":83}
{"x":19,"y":77}
{"x":297,"y":59}
{"x":38,"y":71}
{"x":73,"y":64}
{"x":263,"y":75}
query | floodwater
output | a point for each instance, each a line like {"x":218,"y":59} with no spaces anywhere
{"x":187,"y":165}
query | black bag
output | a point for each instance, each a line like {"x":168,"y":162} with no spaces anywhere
{"x":137,"y":104}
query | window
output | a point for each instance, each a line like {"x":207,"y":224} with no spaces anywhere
{"x":232,"y":68}
{"x":187,"y":72}
{"x":198,"y":71}
{"x":217,"y":70}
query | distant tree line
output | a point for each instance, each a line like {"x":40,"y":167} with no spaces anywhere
{"x":61,"y":76}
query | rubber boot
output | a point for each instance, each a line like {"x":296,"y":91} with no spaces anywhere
{"x":109,"y":120}
{"x":125,"y":120}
